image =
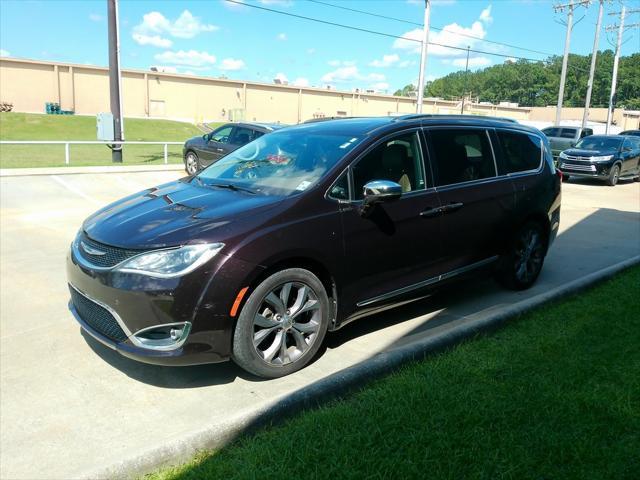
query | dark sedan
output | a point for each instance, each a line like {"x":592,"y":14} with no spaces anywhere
{"x":200,"y":152}
{"x":605,"y":157}
{"x":633,"y":133}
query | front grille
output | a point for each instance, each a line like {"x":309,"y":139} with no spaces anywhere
{"x":578,"y":168}
{"x":577,"y":159}
{"x":112,"y":255}
{"x":97,"y":317}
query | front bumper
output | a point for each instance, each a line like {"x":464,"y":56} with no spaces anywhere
{"x":125,"y":304}
{"x":584,"y":169}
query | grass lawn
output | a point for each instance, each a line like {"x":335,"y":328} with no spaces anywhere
{"x":25,"y":126}
{"x":553,"y":395}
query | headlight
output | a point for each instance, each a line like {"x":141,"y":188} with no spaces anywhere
{"x":171,"y":262}
{"x":563,"y":155}
{"x":603,"y":158}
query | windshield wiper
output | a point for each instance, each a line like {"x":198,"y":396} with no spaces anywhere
{"x":231,"y":186}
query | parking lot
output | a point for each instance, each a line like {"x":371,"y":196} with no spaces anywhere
{"x":70,"y":406}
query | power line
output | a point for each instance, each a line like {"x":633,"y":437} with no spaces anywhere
{"x":524,"y":49}
{"x":383,"y":34}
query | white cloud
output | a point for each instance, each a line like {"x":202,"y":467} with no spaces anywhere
{"x":379,"y":86}
{"x":282,"y":36}
{"x":407,"y":63}
{"x":4,"y":53}
{"x":342,"y":74}
{"x":185,"y":26}
{"x":94,"y":17}
{"x":165,"y":69}
{"x":301,"y":82}
{"x":154,"y":40}
{"x":376,"y":77}
{"x":454,"y":35}
{"x":311,"y":51}
{"x":473,"y":62}
{"x":182,"y":57}
{"x":282,"y":77}
{"x":485,"y":16}
{"x":232,"y":64}
{"x":344,"y":63}
{"x":387,"y":61}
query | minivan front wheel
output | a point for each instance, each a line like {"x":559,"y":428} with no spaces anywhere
{"x":282,"y":324}
{"x":523,"y":262}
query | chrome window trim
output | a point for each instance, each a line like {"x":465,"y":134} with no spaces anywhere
{"x":124,"y":328}
{"x":429,"y":281}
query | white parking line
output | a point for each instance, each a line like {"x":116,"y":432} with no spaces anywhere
{"x":73,"y":189}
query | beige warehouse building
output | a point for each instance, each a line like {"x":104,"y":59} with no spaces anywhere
{"x":84,"y":89}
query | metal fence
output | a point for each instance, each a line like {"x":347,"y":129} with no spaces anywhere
{"x":66,"y":144}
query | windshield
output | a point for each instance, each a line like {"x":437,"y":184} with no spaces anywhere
{"x":599,"y":143}
{"x":281,"y":163}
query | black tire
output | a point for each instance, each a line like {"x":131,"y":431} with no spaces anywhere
{"x":192,"y":163}
{"x":261,"y":321}
{"x":565,"y":177}
{"x":614,"y":175}
{"x":521,"y":265}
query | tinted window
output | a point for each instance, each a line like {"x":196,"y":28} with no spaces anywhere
{"x":568,"y":132}
{"x":242,"y":135}
{"x":635,"y":142}
{"x":551,"y":132}
{"x":631,"y":143}
{"x":398,"y":160}
{"x":586,"y":132}
{"x":340,"y":189}
{"x":461,"y":155}
{"x":221,"y":135}
{"x":521,"y":151}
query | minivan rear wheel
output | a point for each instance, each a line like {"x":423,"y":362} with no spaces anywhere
{"x":522,"y":264}
{"x":282,"y":324}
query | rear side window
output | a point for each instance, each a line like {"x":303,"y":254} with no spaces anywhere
{"x":461,"y":155}
{"x":551,"y":132}
{"x":521,"y":151}
{"x":568,"y":132}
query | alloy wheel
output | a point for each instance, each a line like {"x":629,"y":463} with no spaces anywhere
{"x":192,"y":163}
{"x":529,"y":255}
{"x":287,"y":323}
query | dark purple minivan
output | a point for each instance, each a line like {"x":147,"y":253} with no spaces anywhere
{"x":308,"y":228}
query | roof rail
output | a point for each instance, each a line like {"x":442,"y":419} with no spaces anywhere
{"x":325,"y":119}
{"x":418,"y":116}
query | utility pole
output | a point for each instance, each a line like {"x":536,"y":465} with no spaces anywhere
{"x":423,"y":54}
{"x":594,"y":53}
{"x":565,"y":59}
{"x":114,"y":80}
{"x":616,"y":60}
{"x":466,"y":69}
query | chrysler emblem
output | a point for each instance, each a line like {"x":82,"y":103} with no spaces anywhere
{"x":92,"y":251}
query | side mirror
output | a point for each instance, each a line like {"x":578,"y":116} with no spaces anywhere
{"x":380,"y":191}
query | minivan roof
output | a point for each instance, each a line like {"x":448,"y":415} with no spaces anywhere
{"x":359,"y":126}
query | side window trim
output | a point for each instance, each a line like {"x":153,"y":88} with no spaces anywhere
{"x":373,"y":146}
{"x":345,"y":171}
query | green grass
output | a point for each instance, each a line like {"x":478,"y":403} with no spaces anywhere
{"x":25,"y":126}
{"x":553,"y":395}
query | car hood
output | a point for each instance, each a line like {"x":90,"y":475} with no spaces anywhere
{"x":176,"y":213}
{"x":195,"y":141}
{"x":581,"y":152}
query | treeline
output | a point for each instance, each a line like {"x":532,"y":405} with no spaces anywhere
{"x":536,"y":84}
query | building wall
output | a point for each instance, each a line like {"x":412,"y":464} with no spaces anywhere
{"x":28,"y":84}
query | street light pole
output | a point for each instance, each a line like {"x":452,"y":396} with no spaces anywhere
{"x":423,"y":54}
{"x":614,"y":78}
{"x":114,"y":80}
{"x":565,"y":59}
{"x":466,"y":69}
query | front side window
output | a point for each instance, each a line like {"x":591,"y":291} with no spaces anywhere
{"x":281,"y":163}
{"x":461,"y":155}
{"x":221,"y":135}
{"x":521,"y":151}
{"x":398,"y":159}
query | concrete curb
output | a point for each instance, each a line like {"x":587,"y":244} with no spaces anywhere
{"x":337,"y":384}
{"x":21,"y":172}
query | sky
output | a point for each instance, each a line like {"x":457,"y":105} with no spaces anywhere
{"x":218,"y":38}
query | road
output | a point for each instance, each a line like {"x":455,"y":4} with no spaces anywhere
{"x":69,"y":405}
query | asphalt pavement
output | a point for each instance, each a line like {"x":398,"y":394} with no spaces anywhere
{"x":70,"y":407}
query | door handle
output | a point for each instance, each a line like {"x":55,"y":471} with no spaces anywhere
{"x":220,"y":149}
{"x":452,"y":207}
{"x":431,"y":212}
